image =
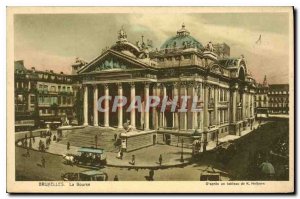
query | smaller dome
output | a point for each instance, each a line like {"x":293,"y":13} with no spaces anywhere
{"x":183,"y":39}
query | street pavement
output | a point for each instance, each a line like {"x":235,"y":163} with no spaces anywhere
{"x":29,"y":168}
{"x":145,"y":157}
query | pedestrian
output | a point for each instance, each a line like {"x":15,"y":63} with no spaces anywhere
{"x":43,"y":162}
{"x":27,"y":153}
{"x":204,"y":146}
{"x":116,"y":178}
{"x":133,"y":160}
{"x":68,"y":146}
{"x":151,"y":175}
{"x":160,"y":160}
{"x":115,"y":135}
{"x":121,"y":154}
{"x":30,"y":143}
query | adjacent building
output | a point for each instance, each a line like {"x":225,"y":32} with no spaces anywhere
{"x":272,"y":100}
{"x":42,"y":97}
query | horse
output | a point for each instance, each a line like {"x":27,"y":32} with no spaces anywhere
{"x":69,"y":159}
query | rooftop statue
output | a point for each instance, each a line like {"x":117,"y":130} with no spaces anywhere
{"x":210,"y":47}
{"x":122,"y":35}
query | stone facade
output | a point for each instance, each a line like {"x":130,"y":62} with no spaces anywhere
{"x":182,"y":66}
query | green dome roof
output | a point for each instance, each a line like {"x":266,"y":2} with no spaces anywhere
{"x":182,"y":40}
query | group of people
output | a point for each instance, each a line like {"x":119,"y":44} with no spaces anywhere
{"x":90,"y":158}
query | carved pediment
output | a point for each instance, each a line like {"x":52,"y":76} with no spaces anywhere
{"x":112,"y":61}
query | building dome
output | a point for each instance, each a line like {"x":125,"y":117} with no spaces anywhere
{"x":183,"y":39}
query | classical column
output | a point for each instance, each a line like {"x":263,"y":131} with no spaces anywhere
{"x":244,"y":104}
{"x":195,"y":114}
{"x":205,"y":119}
{"x":176,"y":116}
{"x":183,"y":115}
{"x":253,"y":105}
{"x":234,"y":105}
{"x":216,"y":106}
{"x":132,"y":113}
{"x":106,"y":105}
{"x":95,"y":105}
{"x":29,"y":85}
{"x":164,"y":122}
{"x":146,"y":118}
{"x":120,"y":108}
{"x":228,"y":109}
{"x":248,"y":104}
{"x":154,"y":111}
{"x":85,"y":105}
{"x":201,"y":93}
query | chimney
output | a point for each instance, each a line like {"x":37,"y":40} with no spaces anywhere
{"x":33,"y":69}
{"x":61,"y":73}
{"x":51,"y":71}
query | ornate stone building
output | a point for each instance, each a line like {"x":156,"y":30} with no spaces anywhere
{"x":181,"y":67}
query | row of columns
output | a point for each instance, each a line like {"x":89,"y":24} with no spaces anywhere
{"x":106,"y":106}
{"x":179,"y":119}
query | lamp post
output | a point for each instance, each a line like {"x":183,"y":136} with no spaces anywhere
{"x":181,"y":158}
{"x":217,"y":137}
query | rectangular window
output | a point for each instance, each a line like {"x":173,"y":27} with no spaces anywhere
{"x":32,"y":99}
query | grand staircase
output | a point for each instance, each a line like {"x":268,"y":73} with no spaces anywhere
{"x":85,"y":137}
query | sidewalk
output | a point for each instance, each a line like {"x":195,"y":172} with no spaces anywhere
{"x":54,"y":147}
{"x":148,"y":157}
{"x":211,"y":145}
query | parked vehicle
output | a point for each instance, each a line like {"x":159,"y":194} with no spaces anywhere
{"x":89,"y":175}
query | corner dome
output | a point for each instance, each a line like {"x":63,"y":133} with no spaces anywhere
{"x":183,"y":39}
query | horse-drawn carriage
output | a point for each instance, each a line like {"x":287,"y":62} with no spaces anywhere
{"x":90,"y":157}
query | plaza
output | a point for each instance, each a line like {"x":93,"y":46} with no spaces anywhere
{"x":263,"y":138}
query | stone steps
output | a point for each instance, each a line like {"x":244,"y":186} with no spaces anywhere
{"x":86,"y":137}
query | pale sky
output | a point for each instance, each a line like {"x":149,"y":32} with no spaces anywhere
{"x":51,"y":42}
